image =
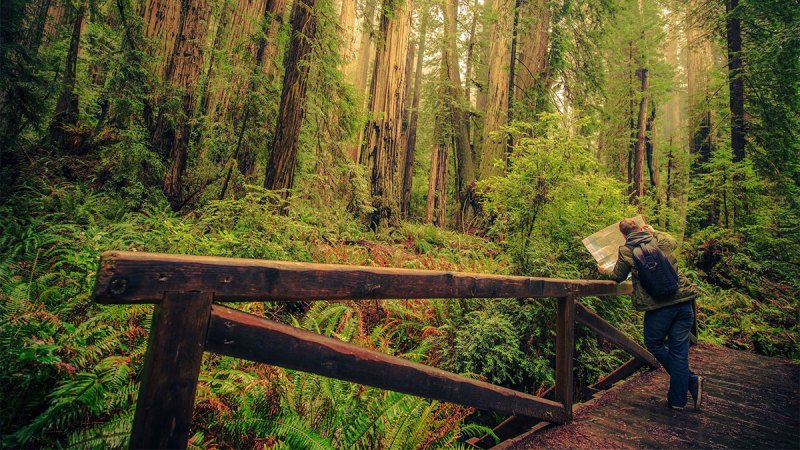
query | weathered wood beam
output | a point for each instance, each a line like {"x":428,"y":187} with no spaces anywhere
{"x":511,"y":427}
{"x":172,"y":365}
{"x":246,"y":336}
{"x":619,"y":374}
{"x":133,"y":277}
{"x":607,"y":331}
{"x":565,"y":349}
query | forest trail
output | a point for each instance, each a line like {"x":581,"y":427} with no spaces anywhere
{"x":751,"y":401}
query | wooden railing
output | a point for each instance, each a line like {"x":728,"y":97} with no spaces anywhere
{"x":187,"y":322}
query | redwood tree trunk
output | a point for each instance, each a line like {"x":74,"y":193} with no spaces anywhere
{"x":465,"y":170}
{"x":347,"y":21}
{"x":534,"y":39}
{"x":267,"y":48}
{"x":280,"y":169}
{"x":363,"y":56}
{"x":649,"y":144}
{"x":182,"y":72}
{"x":437,"y":181}
{"x":512,"y":66}
{"x":638,"y":165}
{"x":411,"y":143}
{"x":66,"y":113}
{"x":383,"y":133}
{"x":497,"y":89}
{"x":470,"y":54}
{"x":698,"y":66}
{"x":735,"y":80}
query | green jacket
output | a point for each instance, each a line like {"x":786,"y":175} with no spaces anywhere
{"x":642,"y":301}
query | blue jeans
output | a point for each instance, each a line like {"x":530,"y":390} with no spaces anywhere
{"x":666,"y":335}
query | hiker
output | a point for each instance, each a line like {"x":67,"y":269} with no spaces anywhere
{"x":668,"y":301}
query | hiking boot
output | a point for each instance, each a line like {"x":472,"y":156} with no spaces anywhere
{"x":696,"y":389}
{"x":675,"y":408}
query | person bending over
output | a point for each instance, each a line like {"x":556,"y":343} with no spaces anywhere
{"x":667,"y":298}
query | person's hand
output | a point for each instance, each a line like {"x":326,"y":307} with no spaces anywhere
{"x":648,"y":228}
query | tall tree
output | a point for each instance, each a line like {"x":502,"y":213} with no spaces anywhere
{"x":66,"y":113}
{"x":282,"y":160}
{"x":457,"y":112}
{"x":496,"y":115}
{"x":238,"y":21}
{"x":638,"y":165}
{"x":411,"y":143}
{"x":469,"y":63}
{"x":534,"y":40}
{"x":735,"y":79}
{"x":380,"y":152}
{"x":698,"y":66}
{"x":181,"y":73}
{"x":437,"y":182}
{"x":347,"y":23}
{"x":364,"y":46}
{"x":266,"y":49}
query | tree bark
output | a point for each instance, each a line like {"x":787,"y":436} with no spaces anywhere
{"x":698,"y":66}
{"x":458,"y":116}
{"x":409,"y":94}
{"x":237,"y":27}
{"x":631,"y":120}
{"x":534,"y":39}
{"x":182,"y":71}
{"x":37,"y":17}
{"x":470,"y":55}
{"x":363,"y":56}
{"x":497,"y":89}
{"x":437,"y":181}
{"x":267,"y":48}
{"x":411,"y":143}
{"x":282,"y":161}
{"x":512,"y":91}
{"x":362,"y":70}
{"x":735,"y":80}
{"x":216,"y":47}
{"x":66,"y":113}
{"x":649,"y":144}
{"x":162,"y":23}
{"x":380,"y":152}
{"x":347,"y":22}
{"x":638,"y":166}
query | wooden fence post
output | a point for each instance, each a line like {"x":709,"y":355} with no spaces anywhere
{"x":169,"y":377}
{"x":565,"y":350}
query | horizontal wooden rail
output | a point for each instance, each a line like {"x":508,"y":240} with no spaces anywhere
{"x":242,"y":335}
{"x":132,"y":277}
{"x":185,"y":287}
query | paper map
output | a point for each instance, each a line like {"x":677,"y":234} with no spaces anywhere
{"x":604,"y":245}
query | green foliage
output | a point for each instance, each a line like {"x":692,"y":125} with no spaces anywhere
{"x":553,"y":194}
{"x":489,"y":345}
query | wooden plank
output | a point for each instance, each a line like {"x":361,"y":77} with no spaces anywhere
{"x":169,"y":377}
{"x":565,"y":350}
{"x":131,"y":277}
{"x":619,"y":374}
{"x":607,"y":331}
{"x":515,"y":426}
{"x":509,"y":428}
{"x":246,"y":336}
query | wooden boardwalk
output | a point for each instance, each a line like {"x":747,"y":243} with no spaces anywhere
{"x":751,"y":401}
